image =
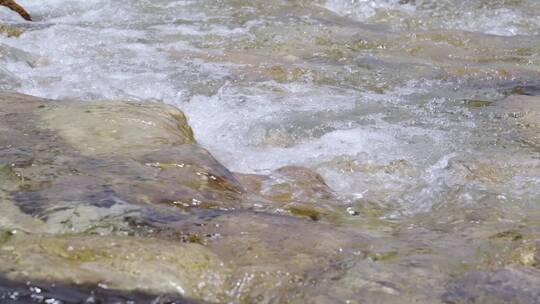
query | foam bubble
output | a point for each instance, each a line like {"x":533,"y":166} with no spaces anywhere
{"x":351,"y":113}
{"x":472,"y":15}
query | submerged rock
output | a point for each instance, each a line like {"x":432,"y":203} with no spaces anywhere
{"x":10,"y":31}
{"x":12,"y":219}
{"x":43,"y":292}
{"x":506,"y":285}
{"x":273,"y":257}
{"x":296,"y":191}
{"x":120,"y":195}
{"x":524,"y":112}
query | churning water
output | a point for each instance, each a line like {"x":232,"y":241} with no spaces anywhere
{"x":347,"y":88}
{"x":415,"y":106}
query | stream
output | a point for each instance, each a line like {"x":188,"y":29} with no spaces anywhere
{"x":422,"y":118}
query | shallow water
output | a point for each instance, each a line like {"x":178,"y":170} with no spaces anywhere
{"x":322,"y":84}
{"x":423,"y":115}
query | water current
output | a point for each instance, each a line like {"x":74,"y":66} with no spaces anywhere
{"x":420,"y":108}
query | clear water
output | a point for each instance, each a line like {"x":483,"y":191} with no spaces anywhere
{"x":315,"y":83}
{"x":404,"y":105}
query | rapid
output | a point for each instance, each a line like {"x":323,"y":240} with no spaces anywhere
{"x":422,"y":116}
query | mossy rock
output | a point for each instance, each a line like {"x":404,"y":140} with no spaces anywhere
{"x":124,"y":263}
{"x":93,"y":153}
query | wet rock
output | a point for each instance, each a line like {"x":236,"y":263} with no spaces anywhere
{"x":88,"y":219}
{"x":358,"y":164}
{"x":492,"y":171}
{"x":275,"y":258}
{"x":525,"y":110}
{"x":296,"y":191}
{"x":120,"y":194}
{"x":124,"y":263}
{"x":116,"y":128}
{"x":506,"y":285}
{"x":523,"y":114}
{"x":127,"y":199}
{"x":13,"y":220}
{"x":246,"y":257}
{"x":529,"y":90}
{"x":10,"y":31}
{"x":513,"y":87}
{"x":527,"y":255}
{"x":181,"y":173}
{"x":102,"y":153}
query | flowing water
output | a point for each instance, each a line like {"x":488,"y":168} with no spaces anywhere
{"x":426,"y":111}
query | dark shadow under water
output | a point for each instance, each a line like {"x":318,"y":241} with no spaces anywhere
{"x":32,"y":292}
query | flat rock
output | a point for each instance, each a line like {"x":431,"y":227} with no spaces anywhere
{"x":505,"y":285}
{"x":64,"y":153}
{"x":122,"y":263}
{"x":523,"y":112}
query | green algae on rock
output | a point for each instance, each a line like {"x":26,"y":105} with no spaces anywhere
{"x":524,"y":113}
{"x":119,"y":195}
{"x":296,"y":191}
{"x":13,"y":219}
{"x":124,"y":263}
{"x":505,"y":285}
{"x":96,"y":194}
{"x":76,"y":152}
{"x":274,"y":257}
{"x":107,"y":128}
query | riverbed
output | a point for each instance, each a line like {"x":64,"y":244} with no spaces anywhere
{"x":421,"y":119}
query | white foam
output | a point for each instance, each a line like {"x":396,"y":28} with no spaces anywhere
{"x":365,"y":9}
{"x":174,"y":51}
{"x":472,"y":16}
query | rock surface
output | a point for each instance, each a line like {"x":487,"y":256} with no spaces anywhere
{"x":101,"y":153}
{"x":122,"y":263}
{"x":506,"y":285}
{"x":117,"y":200}
{"x":120,"y":195}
